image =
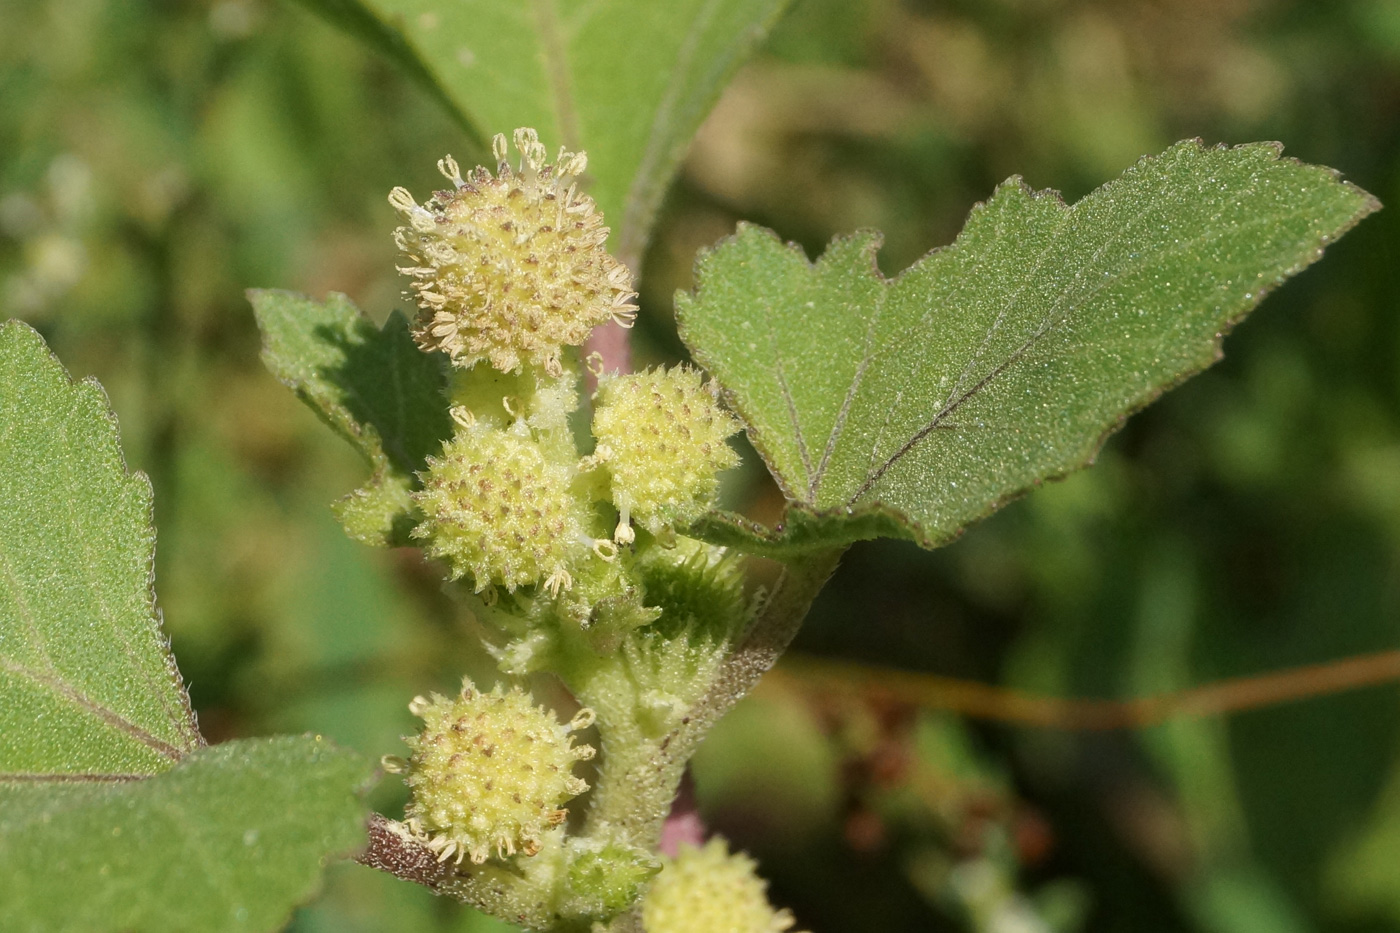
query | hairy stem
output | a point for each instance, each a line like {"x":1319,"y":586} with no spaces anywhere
{"x":640,"y":774}
{"x":769,"y":636}
{"x":683,"y":824}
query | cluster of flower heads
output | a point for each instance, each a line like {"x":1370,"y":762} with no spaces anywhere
{"x":508,"y":268}
{"x":489,"y":772}
{"x":510,"y":505}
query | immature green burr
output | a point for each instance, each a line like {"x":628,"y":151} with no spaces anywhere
{"x":489,"y":772}
{"x":509,"y":268}
{"x":662,"y":438}
{"x":708,"y":889}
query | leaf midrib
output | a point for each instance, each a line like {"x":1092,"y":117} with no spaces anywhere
{"x":554,"y":57}
{"x":630,"y":242}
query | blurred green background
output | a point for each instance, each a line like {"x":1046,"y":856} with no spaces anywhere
{"x":157,"y":158}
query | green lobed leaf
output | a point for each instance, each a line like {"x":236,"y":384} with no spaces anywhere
{"x":232,"y":838}
{"x":88,"y":688}
{"x":920,"y":404}
{"x":628,"y":81}
{"x":373,"y":386}
{"x":112,"y":814}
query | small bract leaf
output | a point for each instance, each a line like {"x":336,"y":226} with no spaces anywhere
{"x":919,"y":405}
{"x":627,"y":81}
{"x":88,"y":688}
{"x":373,"y":386}
{"x":232,"y":838}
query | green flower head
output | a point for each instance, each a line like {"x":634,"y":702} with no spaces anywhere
{"x":489,"y":772}
{"x":508,"y":268}
{"x":708,"y":889}
{"x":662,"y":437}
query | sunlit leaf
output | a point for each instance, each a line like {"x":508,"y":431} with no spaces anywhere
{"x":921,"y":404}
{"x":373,"y":386}
{"x":88,"y":687}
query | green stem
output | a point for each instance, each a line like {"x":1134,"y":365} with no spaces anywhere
{"x":640,"y":769}
{"x":640,"y":774}
{"x":633,"y":790}
{"x":766,"y":640}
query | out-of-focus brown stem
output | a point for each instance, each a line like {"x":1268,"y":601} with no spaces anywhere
{"x":985,"y":701}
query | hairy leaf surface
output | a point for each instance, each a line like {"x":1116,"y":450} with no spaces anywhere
{"x":921,"y":404}
{"x":232,"y":838}
{"x":628,"y":81}
{"x":374,"y":387}
{"x":88,"y":687}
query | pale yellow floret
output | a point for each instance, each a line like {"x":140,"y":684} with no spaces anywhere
{"x":509,"y":268}
{"x":662,"y":438}
{"x":495,"y":508}
{"x":706,"y":890}
{"x":489,"y":772}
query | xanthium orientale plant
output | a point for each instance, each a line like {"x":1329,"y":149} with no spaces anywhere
{"x":909,"y":407}
{"x":593,"y":551}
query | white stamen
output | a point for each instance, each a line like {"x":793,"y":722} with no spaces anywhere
{"x":451,"y":171}
{"x":558,"y":580}
{"x":462,"y":415}
{"x":402,"y":200}
{"x":624,"y":534}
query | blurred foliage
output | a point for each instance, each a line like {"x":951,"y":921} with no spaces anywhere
{"x":158,"y":158}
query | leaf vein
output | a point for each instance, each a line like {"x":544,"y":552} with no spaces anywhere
{"x":789,"y":400}
{"x":867,"y":357}
{"x":963,"y":286}
{"x":122,"y":637}
{"x":66,"y":691}
{"x":1050,"y":323}
{"x":26,"y":613}
{"x":23,"y":777}
{"x":634,"y":210}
